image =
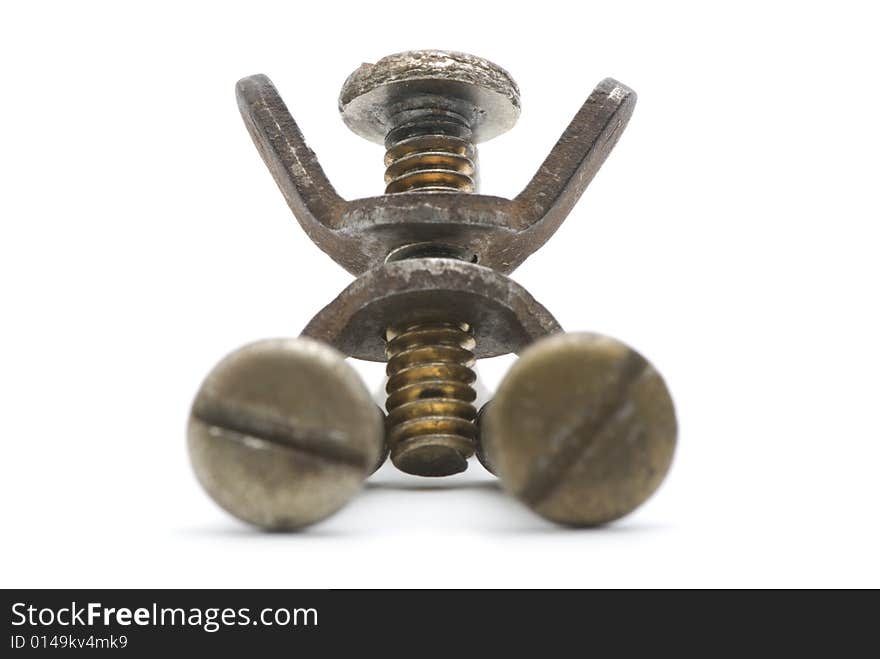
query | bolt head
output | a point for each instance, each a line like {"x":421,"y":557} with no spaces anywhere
{"x":283,"y":433}
{"x":484,"y":93}
{"x":582,"y":429}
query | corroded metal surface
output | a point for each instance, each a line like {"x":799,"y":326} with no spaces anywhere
{"x":582,"y":429}
{"x":430,"y":109}
{"x":476,"y":89}
{"x":502,"y":233}
{"x":283,"y":433}
{"x":504,"y":317}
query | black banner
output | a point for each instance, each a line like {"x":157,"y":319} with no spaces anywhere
{"x":136,"y":622}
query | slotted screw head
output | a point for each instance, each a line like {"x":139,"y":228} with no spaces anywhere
{"x":582,"y":429}
{"x":283,"y":433}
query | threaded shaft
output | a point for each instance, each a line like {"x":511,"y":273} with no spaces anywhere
{"x":431,"y":417}
{"x":431,"y":429}
{"x":430,"y":150}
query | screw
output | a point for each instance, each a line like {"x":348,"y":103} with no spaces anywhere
{"x":582,"y":429}
{"x":283,"y":432}
{"x":430,"y":398}
{"x":430,"y":108}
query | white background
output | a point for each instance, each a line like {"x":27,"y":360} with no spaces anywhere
{"x":731,"y":237}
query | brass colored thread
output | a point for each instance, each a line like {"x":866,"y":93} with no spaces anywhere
{"x":430,"y":151}
{"x":431,"y":430}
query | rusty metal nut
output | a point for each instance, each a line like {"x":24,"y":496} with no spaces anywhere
{"x":283,"y":433}
{"x":582,"y":429}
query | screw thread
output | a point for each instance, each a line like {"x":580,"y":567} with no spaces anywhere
{"x":430,"y":150}
{"x":431,"y":417}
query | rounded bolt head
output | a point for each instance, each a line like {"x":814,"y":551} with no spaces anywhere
{"x":482,"y":92}
{"x":283,"y":433}
{"x":582,"y":429}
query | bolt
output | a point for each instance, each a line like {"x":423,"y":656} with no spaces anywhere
{"x":430,"y":398}
{"x":582,"y":429}
{"x":430,"y":108}
{"x":283,"y":433}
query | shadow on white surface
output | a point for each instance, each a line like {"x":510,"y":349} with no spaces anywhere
{"x":434,"y":484}
{"x":395,"y":504}
{"x":239,"y":530}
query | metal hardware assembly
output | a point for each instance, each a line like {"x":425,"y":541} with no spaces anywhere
{"x":582,"y":430}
